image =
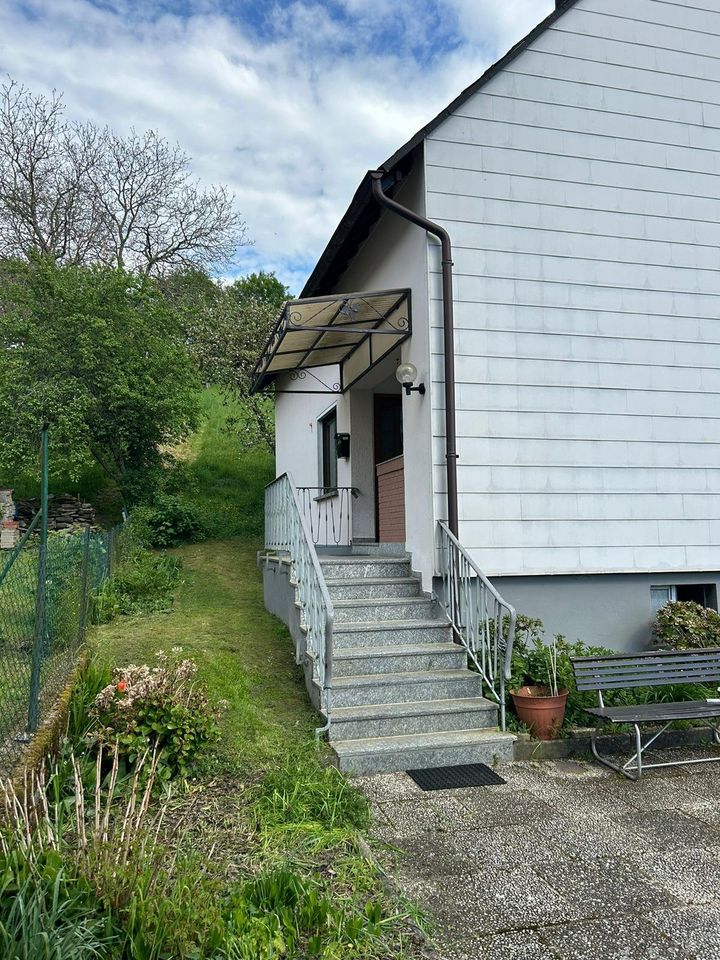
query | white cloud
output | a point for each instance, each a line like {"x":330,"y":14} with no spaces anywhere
{"x":290,"y":120}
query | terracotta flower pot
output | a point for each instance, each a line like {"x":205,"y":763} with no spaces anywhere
{"x":542,"y":714}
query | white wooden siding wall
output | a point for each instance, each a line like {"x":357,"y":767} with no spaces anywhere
{"x":581,"y":188}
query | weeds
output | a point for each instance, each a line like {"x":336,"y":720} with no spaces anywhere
{"x":143,"y":582}
{"x":306,"y":793}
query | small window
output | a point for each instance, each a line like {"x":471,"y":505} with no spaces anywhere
{"x":703,"y":593}
{"x":328,"y":451}
{"x":659,"y":596}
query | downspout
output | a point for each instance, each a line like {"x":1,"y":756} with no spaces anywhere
{"x":436,"y":230}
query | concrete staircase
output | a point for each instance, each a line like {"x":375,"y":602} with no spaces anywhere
{"x":403,"y":697}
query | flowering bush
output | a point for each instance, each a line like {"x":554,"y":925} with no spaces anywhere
{"x":161,"y":706}
{"x":684,"y":624}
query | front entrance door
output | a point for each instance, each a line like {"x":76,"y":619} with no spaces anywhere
{"x":389,"y":469}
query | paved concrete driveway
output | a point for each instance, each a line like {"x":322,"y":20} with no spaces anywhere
{"x":565,"y":861}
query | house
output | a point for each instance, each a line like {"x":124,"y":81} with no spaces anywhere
{"x":555,"y":447}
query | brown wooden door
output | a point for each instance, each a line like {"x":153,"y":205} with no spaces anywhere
{"x":389,"y":469}
{"x":391,"y":500}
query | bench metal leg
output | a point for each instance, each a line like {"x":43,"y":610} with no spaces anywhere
{"x":632,"y":773}
{"x":634,"y":767}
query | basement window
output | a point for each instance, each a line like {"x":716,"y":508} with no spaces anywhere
{"x":703,"y":593}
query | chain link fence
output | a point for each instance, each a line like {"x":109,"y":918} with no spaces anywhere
{"x":47,"y":586}
{"x":45,"y":606}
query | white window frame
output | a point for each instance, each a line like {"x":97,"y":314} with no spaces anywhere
{"x":331,"y":413}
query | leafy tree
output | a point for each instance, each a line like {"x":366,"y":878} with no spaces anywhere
{"x":82,"y":194}
{"x":263,"y":288}
{"x":99,"y":354}
{"x":226,"y":328}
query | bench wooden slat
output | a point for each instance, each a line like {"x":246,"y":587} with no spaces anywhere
{"x":647,"y":670}
{"x":616,"y":666}
{"x":637,"y":677}
{"x":659,"y":655}
{"x":658,"y":712}
{"x":604,"y":684}
{"x":627,"y":674}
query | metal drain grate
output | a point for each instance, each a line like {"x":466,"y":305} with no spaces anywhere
{"x":452,"y":778}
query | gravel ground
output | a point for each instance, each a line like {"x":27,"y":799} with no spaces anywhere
{"x":566,"y":860}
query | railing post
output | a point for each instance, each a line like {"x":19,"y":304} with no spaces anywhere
{"x":40,"y":598}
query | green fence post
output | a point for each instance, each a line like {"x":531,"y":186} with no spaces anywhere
{"x":84,"y":583}
{"x":38,"y":645}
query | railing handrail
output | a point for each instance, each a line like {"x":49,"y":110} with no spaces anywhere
{"x":326,"y":652}
{"x":313,"y":552}
{"x":333,"y":489}
{"x":476,"y":569}
{"x":489,"y":635}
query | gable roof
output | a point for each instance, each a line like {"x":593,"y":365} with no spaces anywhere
{"x":363,"y":211}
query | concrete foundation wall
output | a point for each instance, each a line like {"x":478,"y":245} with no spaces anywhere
{"x":279,"y":599}
{"x":609,"y":610}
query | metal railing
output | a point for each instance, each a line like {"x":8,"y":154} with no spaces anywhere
{"x":287,"y":529}
{"x":483,"y":622}
{"x":329,"y":514}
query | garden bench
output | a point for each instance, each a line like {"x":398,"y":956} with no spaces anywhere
{"x":625,"y":671}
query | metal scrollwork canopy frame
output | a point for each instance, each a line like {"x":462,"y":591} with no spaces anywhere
{"x":363,"y":317}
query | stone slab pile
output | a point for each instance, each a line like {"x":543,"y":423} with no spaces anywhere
{"x":65,"y":512}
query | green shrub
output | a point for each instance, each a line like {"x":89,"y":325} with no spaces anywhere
{"x":685,"y":625}
{"x":142,"y":582}
{"x":529,"y":665}
{"x":167,"y":521}
{"x":161,"y":707}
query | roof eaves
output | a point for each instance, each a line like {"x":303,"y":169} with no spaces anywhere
{"x":363,"y":195}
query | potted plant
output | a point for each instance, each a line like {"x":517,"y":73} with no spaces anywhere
{"x":540,"y":705}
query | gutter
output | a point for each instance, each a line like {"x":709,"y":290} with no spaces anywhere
{"x":441,"y":233}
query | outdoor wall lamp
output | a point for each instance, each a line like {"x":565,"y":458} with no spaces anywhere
{"x":406,"y":375}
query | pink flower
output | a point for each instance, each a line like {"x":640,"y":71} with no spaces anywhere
{"x":121,"y":687}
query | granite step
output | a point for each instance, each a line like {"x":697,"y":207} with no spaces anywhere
{"x":335,"y":567}
{"x":393,"y":608}
{"x":374,"y":688}
{"x":371,"y":588}
{"x":418,"y":751}
{"x":382,"y":633}
{"x":424,"y":716}
{"x":398,"y":659}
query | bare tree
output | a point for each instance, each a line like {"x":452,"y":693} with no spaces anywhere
{"x":83,"y":194}
{"x":155,"y":216}
{"x":43,"y":167}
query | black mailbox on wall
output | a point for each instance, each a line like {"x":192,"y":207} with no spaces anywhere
{"x":342,"y":445}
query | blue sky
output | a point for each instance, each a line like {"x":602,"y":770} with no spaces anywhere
{"x":287,"y":102}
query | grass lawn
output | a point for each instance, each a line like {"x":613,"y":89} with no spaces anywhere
{"x":223,"y":480}
{"x":274,"y":837}
{"x":269,"y":801}
{"x":244,"y":654}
